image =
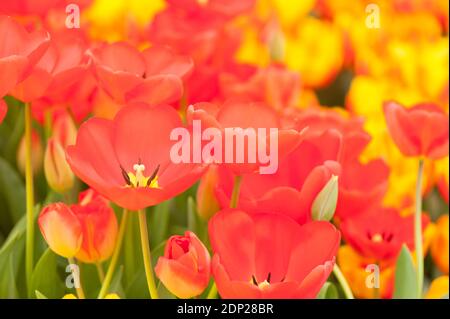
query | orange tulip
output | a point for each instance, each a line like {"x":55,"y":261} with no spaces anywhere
{"x":61,"y":229}
{"x":185,"y":267}
{"x":99,"y":226}
{"x":439,"y":244}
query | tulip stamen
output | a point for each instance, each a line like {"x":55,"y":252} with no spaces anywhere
{"x":138,"y":178}
{"x":268,"y":278}
{"x":153,"y":176}
{"x":255,"y":282}
{"x":125,"y":176}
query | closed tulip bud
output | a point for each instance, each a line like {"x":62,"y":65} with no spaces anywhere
{"x":277,"y":45}
{"x":324,"y":204}
{"x":185,"y":267}
{"x":57,"y":172}
{"x":207,"y":204}
{"x":99,"y":226}
{"x":61,"y":229}
{"x":64,"y":129}
{"x":37,"y":153}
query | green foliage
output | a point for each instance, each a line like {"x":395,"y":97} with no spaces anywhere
{"x":405,"y":276}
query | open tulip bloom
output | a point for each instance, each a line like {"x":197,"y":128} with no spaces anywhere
{"x":212,"y":149}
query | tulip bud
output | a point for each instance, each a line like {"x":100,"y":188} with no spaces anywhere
{"x":57,"y":172}
{"x":36,"y":153}
{"x":185,"y":267}
{"x":324,"y":204}
{"x":99,"y":225}
{"x":207,"y":204}
{"x":277,"y":45}
{"x":64,"y":130}
{"x":61,"y":229}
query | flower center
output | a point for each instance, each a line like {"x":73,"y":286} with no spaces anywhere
{"x":262,"y":285}
{"x":377,"y":238}
{"x":138,"y":178}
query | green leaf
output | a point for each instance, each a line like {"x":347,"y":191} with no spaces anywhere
{"x":192,"y":223}
{"x":11,"y":255}
{"x":116,"y":282}
{"x":159,"y":223}
{"x":137,"y":289}
{"x":45,"y":276}
{"x":328,"y":291}
{"x":12,"y":190}
{"x":39,"y":295}
{"x":195,"y":223}
{"x":405,"y":276}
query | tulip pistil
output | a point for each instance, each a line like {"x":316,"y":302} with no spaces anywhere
{"x":138,"y":178}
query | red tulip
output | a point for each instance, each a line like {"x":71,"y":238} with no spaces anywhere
{"x":361,"y":185}
{"x":245,"y":115}
{"x":59,"y":69}
{"x":421,"y":130}
{"x":37,"y":7}
{"x":152,"y":76}
{"x":380,"y":233}
{"x":292,"y":189}
{"x":270,"y":256}
{"x":278,"y":87}
{"x":19,"y":52}
{"x":127,"y":159}
{"x":99,"y":227}
{"x":185,"y":267}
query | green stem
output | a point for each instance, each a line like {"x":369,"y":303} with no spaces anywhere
{"x":146,"y":254}
{"x":235,"y":193}
{"x":418,"y":229}
{"x":78,"y":288}
{"x":115,"y":257}
{"x":100,"y":271}
{"x":343,"y":282}
{"x":212,"y":292}
{"x":48,"y":124}
{"x":29,"y":257}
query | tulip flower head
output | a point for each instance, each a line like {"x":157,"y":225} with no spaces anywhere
{"x":19,"y":53}
{"x":127,"y":159}
{"x":86,"y":230}
{"x":185,"y":267}
{"x":99,"y":226}
{"x":61,"y":229}
{"x":270,"y":255}
{"x":418,"y":131}
{"x":380,"y":233}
